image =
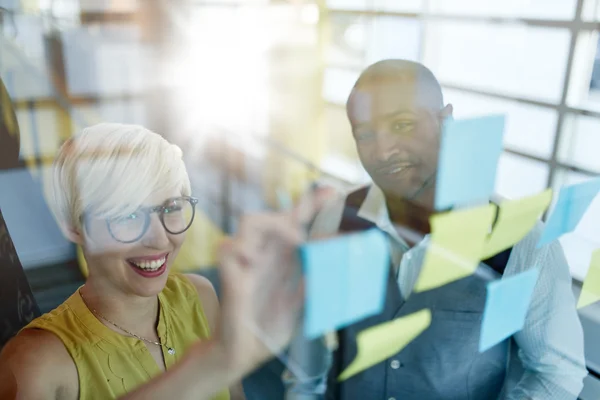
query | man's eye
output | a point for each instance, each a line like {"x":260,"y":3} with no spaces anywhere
{"x":365,"y":135}
{"x":402,"y":126}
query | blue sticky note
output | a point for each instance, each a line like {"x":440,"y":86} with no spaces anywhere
{"x":506,"y":307}
{"x":346,"y":278}
{"x":573,"y":201}
{"x":468,"y":160}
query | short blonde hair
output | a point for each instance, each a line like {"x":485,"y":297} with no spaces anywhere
{"x":109,"y":169}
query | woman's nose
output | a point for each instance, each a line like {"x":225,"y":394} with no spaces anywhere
{"x":156,"y":236}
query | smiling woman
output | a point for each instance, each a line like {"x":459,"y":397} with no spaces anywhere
{"x":122,"y":193}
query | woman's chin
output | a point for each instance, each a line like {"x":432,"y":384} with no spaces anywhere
{"x":148,"y":282}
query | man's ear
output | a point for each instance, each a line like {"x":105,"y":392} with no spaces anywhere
{"x":446,"y":112}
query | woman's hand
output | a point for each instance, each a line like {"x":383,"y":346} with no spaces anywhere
{"x":262,"y":283}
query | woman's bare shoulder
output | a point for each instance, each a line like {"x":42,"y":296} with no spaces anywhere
{"x":208,"y":298}
{"x":39,"y":364}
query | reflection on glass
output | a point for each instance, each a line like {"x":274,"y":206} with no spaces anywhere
{"x":539,"y":9}
{"x":579,"y":245}
{"x":398,"y":6}
{"x":529,"y":129}
{"x":113,"y":6}
{"x":394,"y":37}
{"x":121,"y":111}
{"x":22,"y":59}
{"x":349,"y":4}
{"x":90,"y":55}
{"x":515,"y":60}
{"x":341,"y":158}
{"x":580,"y":142}
{"x":348,"y":40}
{"x":40,"y":132}
{"x":584,"y":84}
{"x":591,"y":10}
{"x":337,"y":84}
{"x":519,"y":176}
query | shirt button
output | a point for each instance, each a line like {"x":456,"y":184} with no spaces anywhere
{"x":395,"y":364}
{"x":392,"y":398}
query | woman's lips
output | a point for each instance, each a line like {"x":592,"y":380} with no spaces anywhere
{"x":149,"y":266}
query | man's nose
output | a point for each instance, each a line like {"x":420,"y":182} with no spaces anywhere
{"x":156,"y":235}
{"x":387,"y":146}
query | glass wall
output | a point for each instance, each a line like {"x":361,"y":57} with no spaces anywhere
{"x":533,"y":61}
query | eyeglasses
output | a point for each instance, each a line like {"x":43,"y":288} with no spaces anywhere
{"x":175,"y":214}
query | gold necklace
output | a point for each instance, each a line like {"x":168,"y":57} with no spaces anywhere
{"x":170,"y":350}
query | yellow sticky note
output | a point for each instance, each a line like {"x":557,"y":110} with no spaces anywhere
{"x":590,"y":292}
{"x":457,"y":240}
{"x":382,"y":341}
{"x":515,"y":219}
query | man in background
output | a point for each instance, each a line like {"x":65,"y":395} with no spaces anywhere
{"x":396,"y":111}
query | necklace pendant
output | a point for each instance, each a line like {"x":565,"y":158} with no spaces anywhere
{"x":171,"y":350}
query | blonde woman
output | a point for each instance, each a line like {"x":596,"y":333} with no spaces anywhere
{"x":122,"y":193}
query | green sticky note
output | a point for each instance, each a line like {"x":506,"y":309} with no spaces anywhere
{"x":515,"y":219}
{"x":590,"y":292}
{"x":457,"y":240}
{"x":383,"y":341}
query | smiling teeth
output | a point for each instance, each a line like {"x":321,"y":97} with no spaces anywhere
{"x":150,"y":265}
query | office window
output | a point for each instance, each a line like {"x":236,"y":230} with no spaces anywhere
{"x":339,"y":133}
{"x":22,"y":58}
{"x":580,"y":142}
{"x":591,"y":10}
{"x":348,"y":43}
{"x":538,"y":9}
{"x":337,"y":84}
{"x":349,"y":4}
{"x":120,"y":6}
{"x":39,"y":128}
{"x":516,"y":60}
{"x":358,"y":41}
{"x":91,"y":54}
{"x":394,"y":37}
{"x":28,"y":35}
{"x":121,"y":111}
{"x":398,"y":6}
{"x":584,"y":85}
{"x":529,"y":129}
{"x":519,"y":176}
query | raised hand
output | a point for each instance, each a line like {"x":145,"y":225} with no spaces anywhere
{"x":262,"y":282}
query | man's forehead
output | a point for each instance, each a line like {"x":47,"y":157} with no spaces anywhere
{"x":365,"y":105}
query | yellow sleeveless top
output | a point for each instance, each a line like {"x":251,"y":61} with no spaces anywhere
{"x":110,"y":365}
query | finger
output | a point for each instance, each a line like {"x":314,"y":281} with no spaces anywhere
{"x":257,"y":230}
{"x":311,"y":203}
{"x":231,"y":257}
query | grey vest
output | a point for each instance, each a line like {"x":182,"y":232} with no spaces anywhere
{"x":444,"y":362}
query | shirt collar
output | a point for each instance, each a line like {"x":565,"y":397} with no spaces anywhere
{"x":374,"y":209}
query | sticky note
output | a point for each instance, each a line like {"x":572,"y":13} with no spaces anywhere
{"x":590,"y":291}
{"x":456,"y":245}
{"x":377,"y":343}
{"x":515,"y":219}
{"x":573,"y":201}
{"x":468,"y":160}
{"x":506,"y":307}
{"x":346,"y":278}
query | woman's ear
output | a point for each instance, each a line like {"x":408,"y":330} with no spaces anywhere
{"x":73,"y":234}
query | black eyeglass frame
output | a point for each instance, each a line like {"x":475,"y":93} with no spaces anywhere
{"x":161,"y":212}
